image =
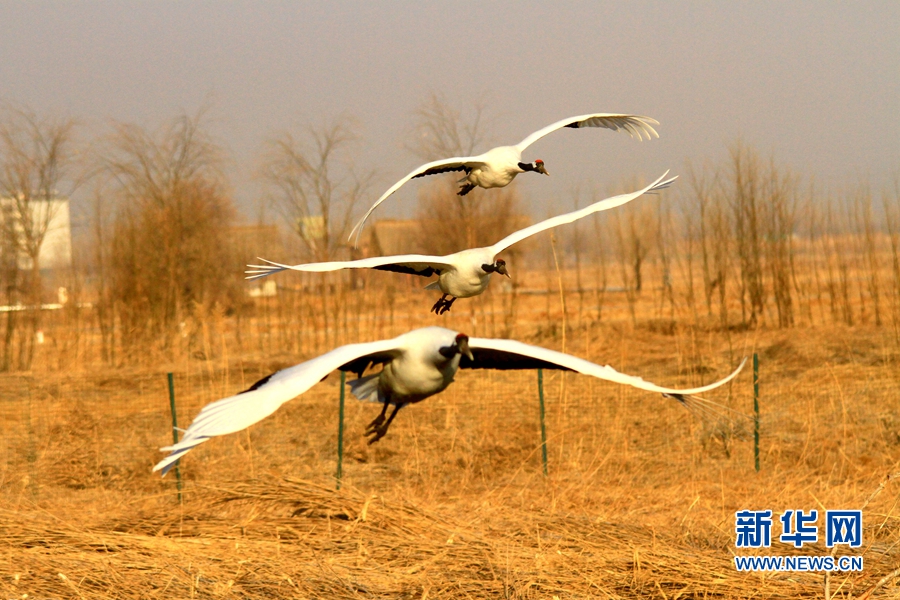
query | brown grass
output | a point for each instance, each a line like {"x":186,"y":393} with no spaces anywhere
{"x":287,"y":538}
{"x":640,"y":499}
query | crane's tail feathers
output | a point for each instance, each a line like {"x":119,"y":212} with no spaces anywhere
{"x":707,"y":410}
{"x":365,"y":388}
{"x":260,"y":271}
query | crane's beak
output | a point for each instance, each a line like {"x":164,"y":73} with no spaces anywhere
{"x":502,"y":270}
{"x":541,"y":169}
{"x":463,"y":346}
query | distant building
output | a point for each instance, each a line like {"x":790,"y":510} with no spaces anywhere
{"x":386,"y":237}
{"x":50,"y":216}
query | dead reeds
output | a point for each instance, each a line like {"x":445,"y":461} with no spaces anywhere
{"x":289,"y":538}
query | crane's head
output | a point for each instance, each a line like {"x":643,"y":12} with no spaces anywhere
{"x":537,"y":166}
{"x":499,"y":266}
{"x":462,"y":345}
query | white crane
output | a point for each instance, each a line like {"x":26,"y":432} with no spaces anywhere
{"x":499,"y":166}
{"x":463,"y":274}
{"x":416,"y":365}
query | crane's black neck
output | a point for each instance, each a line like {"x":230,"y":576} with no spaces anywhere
{"x":527,"y":166}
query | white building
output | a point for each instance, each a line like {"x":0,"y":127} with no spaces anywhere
{"x":53,"y":214}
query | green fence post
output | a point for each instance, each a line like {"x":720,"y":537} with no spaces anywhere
{"x":174,"y":431}
{"x":543,"y":426}
{"x":340,"y":462}
{"x":756,"y":410}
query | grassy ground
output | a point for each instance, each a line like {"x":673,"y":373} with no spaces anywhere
{"x":639,"y":500}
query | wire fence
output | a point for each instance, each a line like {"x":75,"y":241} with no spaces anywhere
{"x":93,"y":431}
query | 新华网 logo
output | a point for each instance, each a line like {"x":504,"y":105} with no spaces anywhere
{"x":753,"y":529}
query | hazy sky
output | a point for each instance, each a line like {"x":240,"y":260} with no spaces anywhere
{"x":816,"y":84}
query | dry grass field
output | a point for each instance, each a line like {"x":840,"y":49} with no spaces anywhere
{"x":639,"y":501}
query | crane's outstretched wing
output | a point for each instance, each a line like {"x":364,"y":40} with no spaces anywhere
{"x":458,"y":163}
{"x":606,"y":204}
{"x":266,"y":395}
{"x":510,"y":354}
{"x":633,"y":125}
{"x":412,"y":264}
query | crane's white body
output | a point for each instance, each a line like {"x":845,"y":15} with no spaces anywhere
{"x":495,"y":168}
{"x":417,"y":364}
{"x":465,"y":277}
{"x":499,"y":166}
{"x":418,"y":371}
{"x":462,"y":274}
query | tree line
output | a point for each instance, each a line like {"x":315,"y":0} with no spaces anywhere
{"x":744,"y":242}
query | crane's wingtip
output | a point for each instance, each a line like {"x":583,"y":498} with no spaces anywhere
{"x":262,"y":271}
{"x":355,"y":233}
{"x":661,"y":183}
{"x":164,"y":466}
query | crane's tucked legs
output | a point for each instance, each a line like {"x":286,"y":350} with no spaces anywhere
{"x":378,"y":428}
{"x":465,"y":189}
{"x":443,"y":305}
{"x":377,"y":422}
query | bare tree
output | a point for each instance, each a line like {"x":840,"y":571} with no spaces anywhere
{"x":721,"y":244}
{"x":835,"y":248}
{"x":100,"y":266}
{"x":441,"y":132}
{"x":640,"y":226}
{"x":892,"y":224}
{"x":779,"y":210}
{"x":10,"y":288}
{"x":36,"y":161}
{"x":685,"y":261}
{"x":314,"y":190}
{"x":638,"y":235}
{"x":577,"y":250}
{"x":626,"y":260}
{"x":748,"y":223}
{"x":665,"y":248}
{"x":170,"y":246}
{"x":602,"y":274}
{"x":702,"y":187}
{"x":866,"y":234}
